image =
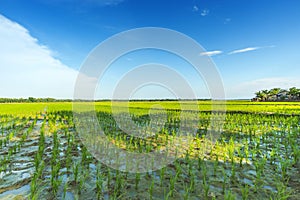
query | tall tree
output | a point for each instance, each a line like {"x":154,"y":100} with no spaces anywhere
{"x":259,"y":96}
{"x":265,"y":94}
{"x":294,"y":93}
{"x":274,"y":92}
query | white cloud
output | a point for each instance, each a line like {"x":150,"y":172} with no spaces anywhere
{"x":249,"y":49}
{"x":247,"y":89}
{"x":204,"y":12}
{"x":210,"y":53}
{"x":244,"y":50}
{"x":29,"y":68}
{"x":195,"y":8}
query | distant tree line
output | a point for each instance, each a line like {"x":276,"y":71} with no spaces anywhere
{"x":278,"y":94}
{"x":31,"y":100}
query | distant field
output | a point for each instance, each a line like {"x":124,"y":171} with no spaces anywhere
{"x":256,"y":155}
{"x":244,"y":106}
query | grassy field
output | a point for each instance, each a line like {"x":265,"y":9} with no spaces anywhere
{"x":256,"y":156}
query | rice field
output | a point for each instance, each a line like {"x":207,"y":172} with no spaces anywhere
{"x":42,"y":155}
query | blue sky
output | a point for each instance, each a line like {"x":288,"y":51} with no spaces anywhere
{"x":254,"y":43}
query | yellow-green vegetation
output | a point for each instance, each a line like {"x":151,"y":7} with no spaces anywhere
{"x":256,"y":156}
{"x":25,"y":109}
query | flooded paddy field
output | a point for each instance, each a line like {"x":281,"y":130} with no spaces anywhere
{"x":256,"y":157}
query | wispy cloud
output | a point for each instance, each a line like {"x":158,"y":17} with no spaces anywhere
{"x":216,"y":52}
{"x":211,"y":53}
{"x":244,"y":50}
{"x":195,"y":8}
{"x":249,"y":49}
{"x":204,"y":12}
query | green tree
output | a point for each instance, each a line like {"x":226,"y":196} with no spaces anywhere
{"x":31,"y":99}
{"x":274,"y":92}
{"x":259,"y":96}
{"x":265,"y":95}
{"x":294,"y":93}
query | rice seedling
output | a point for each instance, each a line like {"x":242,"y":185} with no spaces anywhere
{"x":151,"y":188}
{"x":252,"y":146}
{"x":172,"y":185}
{"x":229,"y":195}
{"x":245,"y":192}
{"x":65,"y":189}
{"x":186,"y":194}
{"x":205,"y":189}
